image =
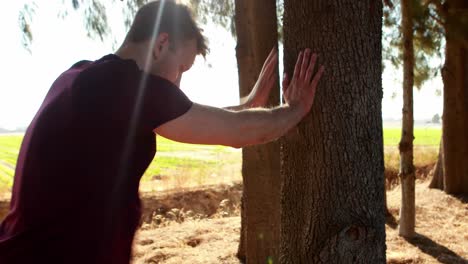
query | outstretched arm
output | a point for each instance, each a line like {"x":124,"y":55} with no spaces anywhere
{"x":210,"y":125}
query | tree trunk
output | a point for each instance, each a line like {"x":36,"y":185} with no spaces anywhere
{"x":257,"y":34}
{"x":332,"y":195}
{"x":406,"y":174}
{"x":437,"y":181}
{"x":455,"y":117}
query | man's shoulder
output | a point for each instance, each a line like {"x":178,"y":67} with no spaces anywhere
{"x":108,"y":68}
{"x":80,"y":64}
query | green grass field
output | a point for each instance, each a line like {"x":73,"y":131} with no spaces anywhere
{"x":200,"y":161}
{"x":422,"y":136}
{"x":9,"y":149}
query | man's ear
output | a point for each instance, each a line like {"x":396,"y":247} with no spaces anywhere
{"x":161,"y":44}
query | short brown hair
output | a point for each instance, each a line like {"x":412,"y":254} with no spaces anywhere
{"x":175,"y":19}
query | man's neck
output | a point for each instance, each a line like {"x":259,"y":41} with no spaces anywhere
{"x":132,"y":52}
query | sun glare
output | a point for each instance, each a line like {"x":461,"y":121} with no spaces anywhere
{"x":128,"y":147}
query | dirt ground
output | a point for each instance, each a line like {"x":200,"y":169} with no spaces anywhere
{"x":202,"y":226}
{"x":209,"y":235}
{"x":441,"y":227}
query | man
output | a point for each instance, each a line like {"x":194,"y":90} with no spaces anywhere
{"x":75,"y":194}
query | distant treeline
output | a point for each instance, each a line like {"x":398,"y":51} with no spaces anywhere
{"x":9,"y":131}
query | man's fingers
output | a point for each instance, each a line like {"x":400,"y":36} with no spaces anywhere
{"x":285,"y":86}
{"x":271,"y":82}
{"x":297,"y":68}
{"x":305,"y":63}
{"x":271,"y":73}
{"x":273,"y":63}
{"x":272,"y":52}
{"x":285,"y":82}
{"x":270,"y":64}
{"x":310,"y":68}
{"x":317,"y":76}
{"x":270,"y":58}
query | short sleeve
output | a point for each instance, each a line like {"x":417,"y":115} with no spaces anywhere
{"x":163,"y":102}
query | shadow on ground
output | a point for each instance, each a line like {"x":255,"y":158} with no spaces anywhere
{"x":462,"y":198}
{"x":390,"y":220}
{"x":437,"y":251}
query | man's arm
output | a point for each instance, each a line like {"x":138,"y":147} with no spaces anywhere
{"x":210,"y":125}
{"x":244,"y":104}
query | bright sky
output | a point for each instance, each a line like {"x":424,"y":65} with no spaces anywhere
{"x":58,"y":43}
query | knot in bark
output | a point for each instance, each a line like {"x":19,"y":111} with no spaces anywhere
{"x":353,"y":244}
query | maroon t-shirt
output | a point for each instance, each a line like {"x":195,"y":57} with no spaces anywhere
{"x":75,"y":192}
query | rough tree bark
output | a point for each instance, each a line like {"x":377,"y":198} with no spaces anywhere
{"x":332,"y":195}
{"x":455,"y":116}
{"x":406,"y":174}
{"x":257,"y":34}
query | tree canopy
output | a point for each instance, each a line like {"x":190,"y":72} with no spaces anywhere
{"x":95,"y":19}
{"x":430,"y":18}
{"x":428,"y":39}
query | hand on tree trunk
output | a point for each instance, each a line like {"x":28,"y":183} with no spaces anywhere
{"x":259,"y":95}
{"x":301,"y":91}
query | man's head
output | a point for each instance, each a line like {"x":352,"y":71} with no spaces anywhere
{"x":170,"y":37}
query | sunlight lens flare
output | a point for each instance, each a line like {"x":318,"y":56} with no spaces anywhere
{"x":118,"y":190}
{"x":140,"y":92}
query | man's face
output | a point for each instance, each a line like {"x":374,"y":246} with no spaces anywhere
{"x":171,"y":63}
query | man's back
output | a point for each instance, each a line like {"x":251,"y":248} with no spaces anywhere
{"x":75,"y":195}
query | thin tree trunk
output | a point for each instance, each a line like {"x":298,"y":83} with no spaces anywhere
{"x":437,"y":181}
{"x":407,"y":178}
{"x":256,"y":26}
{"x":332,"y":195}
{"x":455,"y":117}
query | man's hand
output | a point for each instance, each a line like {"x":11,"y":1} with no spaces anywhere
{"x":301,"y":91}
{"x":258,"y":97}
